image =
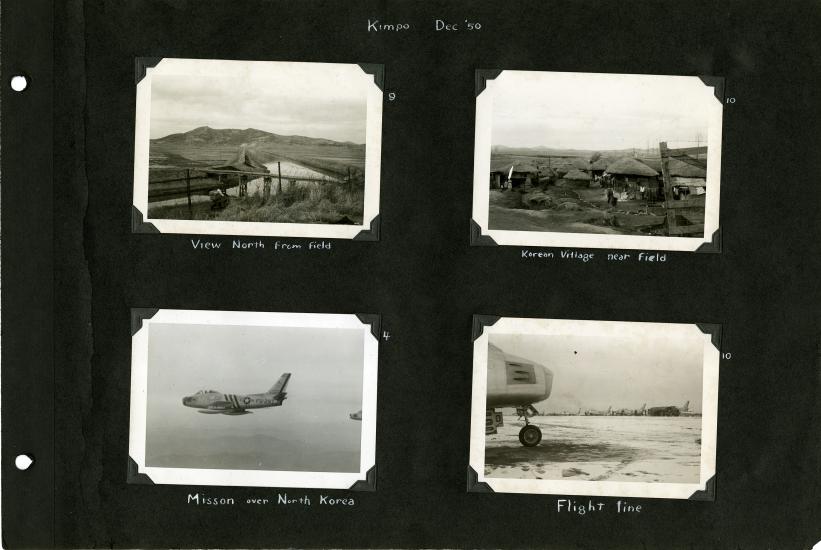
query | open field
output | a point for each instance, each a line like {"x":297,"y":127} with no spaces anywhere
{"x":300,"y":203}
{"x":599,"y":448}
{"x":331,"y":198}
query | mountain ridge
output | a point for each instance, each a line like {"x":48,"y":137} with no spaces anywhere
{"x":207,"y":136}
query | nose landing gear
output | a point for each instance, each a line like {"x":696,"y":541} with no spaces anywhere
{"x":529,"y":435}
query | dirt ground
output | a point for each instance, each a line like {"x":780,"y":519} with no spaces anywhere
{"x":599,"y":448}
{"x":572,"y":211}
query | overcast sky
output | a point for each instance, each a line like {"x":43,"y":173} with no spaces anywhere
{"x":325,"y":387}
{"x":598,"y":111}
{"x":623,"y":371}
{"x":319,"y":100}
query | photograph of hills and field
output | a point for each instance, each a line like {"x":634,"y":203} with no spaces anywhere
{"x":259,"y":142}
{"x":601,"y":154}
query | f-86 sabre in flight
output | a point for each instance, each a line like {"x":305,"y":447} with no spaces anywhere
{"x":214,"y":402}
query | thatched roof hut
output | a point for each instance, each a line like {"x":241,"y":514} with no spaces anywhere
{"x":600,"y":165}
{"x":628,"y":166}
{"x":679,"y":167}
{"x":685,"y":169}
{"x":518,"y":168}
{"x":577,"y":175}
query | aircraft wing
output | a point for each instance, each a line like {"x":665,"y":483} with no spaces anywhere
{"x":221,"y":406}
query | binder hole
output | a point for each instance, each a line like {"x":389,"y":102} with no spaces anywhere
{"x":19,"y":83}
{"x":23,"y":462}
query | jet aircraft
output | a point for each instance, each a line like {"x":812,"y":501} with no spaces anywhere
{"x":356,"y":416}
{"x":671,"y":410}
{"x":515,"y":382}
{"x":214,"y":402}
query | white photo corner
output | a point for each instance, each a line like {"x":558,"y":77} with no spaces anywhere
{"x":251,"y":399}
{"x":594,"y":408}
{"x":597,"y":160}
{"x":257,"y":148}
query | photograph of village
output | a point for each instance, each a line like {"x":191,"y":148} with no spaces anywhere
{"x":600,"y":154}
{"x":257,"y":142}
{"x":596,"y":404}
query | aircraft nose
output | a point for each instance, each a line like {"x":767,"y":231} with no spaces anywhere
{"x":548,"y":381}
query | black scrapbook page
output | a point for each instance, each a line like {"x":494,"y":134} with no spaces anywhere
{"x":410,"y":275}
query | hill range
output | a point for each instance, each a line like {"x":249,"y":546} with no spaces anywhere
{"x":206,"y":146}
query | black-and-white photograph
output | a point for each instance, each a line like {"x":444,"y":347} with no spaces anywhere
{"x":597,"y":160}
{"x":258,"y":148}
{"x":594,"y":407}
{"x":256,"y":399}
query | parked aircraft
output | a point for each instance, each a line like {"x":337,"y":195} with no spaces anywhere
{"x":671,"y":410}
{"x":593,"y":412}
{"x":214,"y":402}
{"x":515,"y":382}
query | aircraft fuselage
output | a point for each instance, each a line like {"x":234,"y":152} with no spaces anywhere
{"x":231,"y":400}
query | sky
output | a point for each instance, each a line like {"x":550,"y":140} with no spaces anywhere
{"x":598,"y":111}
{"x":318,"y":100}
{"x":325,"y":387}
{"x":623,"y":371}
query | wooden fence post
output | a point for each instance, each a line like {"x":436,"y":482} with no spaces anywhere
{"x":188,"y":191}
{"x":266,"y":189}
{"x":279,"y":180}
{"x":668,"y":189}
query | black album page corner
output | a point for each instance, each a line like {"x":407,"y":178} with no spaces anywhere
{"x":410,"y":275}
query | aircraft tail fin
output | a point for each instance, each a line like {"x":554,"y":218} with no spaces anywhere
{"x":686,"y":406}
{"x":279,"y":387}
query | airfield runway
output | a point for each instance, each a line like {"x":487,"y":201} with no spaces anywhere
{"x":599,"y":448}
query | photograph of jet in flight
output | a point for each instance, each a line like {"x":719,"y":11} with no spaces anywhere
{"x":253,"y":399}
{"x":214,"y":402}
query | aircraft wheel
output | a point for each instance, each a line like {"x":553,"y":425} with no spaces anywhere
{"x":530,"y":435}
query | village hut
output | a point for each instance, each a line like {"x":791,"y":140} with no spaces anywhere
{"x":688,"y":177}
{"x":575,"y":178}
{"x":598,"y":167}
{"x":547,"y":176}
{"x":513,"y":175}
{"x":630,"y":175}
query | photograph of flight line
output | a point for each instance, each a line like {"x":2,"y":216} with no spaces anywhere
{"x":266,"y":142}
{"x":601,"y":154}
{"x":201,"y":396}
{"x":618,"y":406}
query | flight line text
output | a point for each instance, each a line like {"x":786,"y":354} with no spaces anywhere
{"x":590,"y":507}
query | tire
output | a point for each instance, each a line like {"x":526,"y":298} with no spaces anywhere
{"x":530,"y":436}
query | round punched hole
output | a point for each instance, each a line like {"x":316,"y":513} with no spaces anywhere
{"x":23,"y":462}
{"x":19,"y":83}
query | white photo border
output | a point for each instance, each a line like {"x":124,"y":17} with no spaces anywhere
{"x":142,"y":124}
{"x":251,"y":478}
{"x":481,"y":189}
{"x":554,"y":327}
